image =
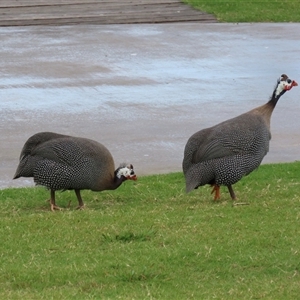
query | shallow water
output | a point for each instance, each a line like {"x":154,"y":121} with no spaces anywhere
{"x":142,"y":90}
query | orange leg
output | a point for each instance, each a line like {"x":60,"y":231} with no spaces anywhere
{"x":216,"y":190}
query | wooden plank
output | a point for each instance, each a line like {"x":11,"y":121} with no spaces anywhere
{"x":66,"y":11}
{"x":116,"y":18}
{"x":73,"y":9}
{"x":111,"y":18}
{"x":92,"y":7}
{"x":106,"y":15}
{"x":106,"y":21}
{"x":29,"y":3}
{"x":59,"y":12}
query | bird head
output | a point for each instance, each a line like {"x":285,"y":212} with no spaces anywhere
{"x":284,"y":84}
{"x":126,"y":172}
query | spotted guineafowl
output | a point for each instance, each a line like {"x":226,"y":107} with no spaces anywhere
{"x":224,"y":153}
{"x":62,"y":162}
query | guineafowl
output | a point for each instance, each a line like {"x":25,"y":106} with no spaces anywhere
{"x":62,"y":162}
{"x":224,"y":153}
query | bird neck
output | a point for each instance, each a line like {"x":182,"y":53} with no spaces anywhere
{"x":266,"y":110}
{"x":117,"y":180}
{"x":274,"y":98}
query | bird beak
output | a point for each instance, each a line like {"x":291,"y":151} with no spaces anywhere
{"x":288,"y":87}
{"x":132,"y":177}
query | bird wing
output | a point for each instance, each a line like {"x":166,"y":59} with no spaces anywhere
{"x":239,"y":135}
{"x":61,"y":150}
{"x":63,"y":164}
{"x":30,"y":153}
{"x":37,"y":139}
{"x":211,"y":147}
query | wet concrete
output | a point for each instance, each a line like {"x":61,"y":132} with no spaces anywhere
{"x":142,"y":90}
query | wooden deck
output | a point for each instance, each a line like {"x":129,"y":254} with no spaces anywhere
{"x":65,"y":12}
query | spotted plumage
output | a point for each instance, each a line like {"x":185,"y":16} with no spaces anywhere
{"x":224,"y":153}
{"x":61,"y":162}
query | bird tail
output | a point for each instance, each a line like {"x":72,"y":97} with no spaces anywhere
{"x":198,"y":175}
{"x":26,"y":166}
{"x":192,"y":180}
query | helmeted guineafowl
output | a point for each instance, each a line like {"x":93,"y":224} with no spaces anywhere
{"x":62,"y":162}
{"x":224,"y":153}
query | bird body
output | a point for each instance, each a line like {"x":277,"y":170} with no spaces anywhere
{"x":62,"y":162}
{"x":224,"y":153}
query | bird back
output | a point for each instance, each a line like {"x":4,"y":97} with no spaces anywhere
{"x":65,"y":162}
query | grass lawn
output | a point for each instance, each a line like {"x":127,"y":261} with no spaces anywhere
{"x":150,"y":240}
{"x":250,"y":11}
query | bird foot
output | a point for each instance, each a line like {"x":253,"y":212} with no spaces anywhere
{"x":216,"y":190}
{"x":80,"y":207}
{"x":55,"y":207}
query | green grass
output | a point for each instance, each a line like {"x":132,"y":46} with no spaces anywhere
{"x":150,"y":240}
{"x":250,"y":11}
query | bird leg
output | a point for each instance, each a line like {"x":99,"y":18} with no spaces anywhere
{"x":216,"y":190}
{"x":80,"y":202}
{"x":232,"y":194}
{"x":53,"y":206}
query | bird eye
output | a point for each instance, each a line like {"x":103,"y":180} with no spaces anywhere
{"x":289,"y":81}
{"x":132,"y":172}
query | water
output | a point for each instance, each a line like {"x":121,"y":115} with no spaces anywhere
{"x":142,"y":90}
